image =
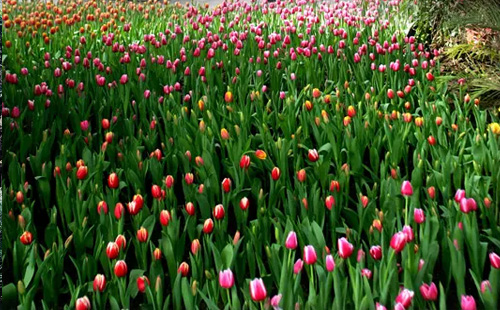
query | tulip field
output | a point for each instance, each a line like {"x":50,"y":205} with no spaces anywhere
{"x":251,"y":155}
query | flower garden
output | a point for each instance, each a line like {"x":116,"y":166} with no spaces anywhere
{"x":286,"y":155}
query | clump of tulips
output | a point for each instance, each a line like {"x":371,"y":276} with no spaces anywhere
{"x":283,"y":155}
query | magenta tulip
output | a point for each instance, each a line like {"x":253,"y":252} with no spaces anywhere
{"x":291,"y":241}
{"x":429,"y":292}
{"x":258,"y":290}
{"x":345,"y":248}
{"x":468,"y":302}
{"x":226,"y":278}
{"x":310,"y":255}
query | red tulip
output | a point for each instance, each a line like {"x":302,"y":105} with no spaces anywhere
{"x":275,"y":173}
{"x":260,"y":154}
{"x":169,"y":181}
{"x":376,"y":252}
{"x":99,"y":283}
{"x":190,"y":208}
{"x":329,"y":202}
{"x":142,"y":234}
{"x":121,"y":268}
{"x":195,"y":246}
{"x":345,"y":248}
{"x":81,"y":173}
{"x":495,"y":260}
{"x":102,"y":206}
{"x":351,"y":111}
{"x":301,"y":175}
{"x":19,"y":197}
{"x":26,"y":238}
{"x":157,"y":254}
{"x":330,"y":263}
{"x":156,"y":191}
{"x":390,"y":94}
{"x":113,"y":181}
{"x":406,"y":189}
{"x":467,"y":205}
{"x":165,"y":217}
{"x":226,"y":278}
{"x":334,"y":186}
{"x":228,"y":97}
{"x":405,"y":297}
{"x":258,"y":290}
{"x":431,"y":140}
{"x":468,"y":303}
{"x":226,"y":185}
{"x":429,"y":292}
{"x":83,"y":303}
{"x":244,"y":203}
{"x":119,"y":210}
{"x":398,"y":241}
{"x":418,"y":215}
{"x":245,"y":162}
{"x":189,"y":178}
{"x":112,"y":250}
{"x":208,"y":226}
{"x":183,"y":269}
{"x":219,"y":212}
{"x":429,"y":76}
{"x":141,"y":283}
{"x":313,"y":155}
{"x":432,"y":192}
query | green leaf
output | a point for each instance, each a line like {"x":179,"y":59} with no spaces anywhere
{"x":227,"y":256}
{"x":187,"y":294}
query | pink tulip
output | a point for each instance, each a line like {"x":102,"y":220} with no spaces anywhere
{"x":495,"y":260}
{"x":309,"y":255}
{"x":291,"y":241}
{"x":399,"y":306}
{"x":275,"y":301}
{"x":330,"y":263}
{"x":406,"y":189}
{"x":345,"y":248}
{"x":380,"y":307}
{"x":376,"y":252}
{"x":365,"y":272}
{"x":429,"y":292}
{"x":84,"y":125}
{"x":459,"y":195}
{"x":258,"y":290}
{"x":226,"y":278}
{"x":297,"y":267}
{"x":419,"y":216}
{"x":398,"y":241}
{"x":468,"y":302}
{"x":124,"y":79}
{"x":405,"y":297}
{"x":485,"y":286}
{"x":408,"y":231}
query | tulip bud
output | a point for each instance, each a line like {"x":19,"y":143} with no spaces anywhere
{"x":121,"y":269}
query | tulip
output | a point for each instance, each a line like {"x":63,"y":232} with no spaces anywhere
{"x":190,"y":207}
{"x":102,"y":206}
{"x":81,"y":173}
{"x":418,"y":215}
{"x":228,"y":97}
{"x":84,"y":125}
{"x":432,"y":192}
{"x":309,"y":255}
{"x":189,"y":178}
{"x":121,"y":242}
{"x":260,"y":154}
{"x":376,"y":252}
{"x":297,"y":267}
{"x":208,"y":226}
{"x":141,"y":283}
{"x":165,"y":217}
{"x":334,"y":186}
{"x":405,"y":297}
{"x":398,"y":241}
{"x":275,"y":301}
{"x":275,"y":173}
{"x":113,"y":181}
{"x":330,"y":263}
{"x":112,"y":250}
{"x":329,"y":202}
{"x":121,"y":268}
{"x":83,"y":303}
{"x":468,"y":302}
{"x":399,"y":306}
{"x":219,"y":212}
{"x":156,"y":191}
{"x":99,"y":283}
{"x":380,"y":307}
{"x":494,"y":260}
{"x":157,"y":254}
{"x":124,"y":79}
{"x":224,"y":134}
{"x":316,"y":93}
{"x":406,"y":189}
{"x":345,"y":248}
{"x":19,"y":197}
{"x":226,"y":278}
{"x":361,"y":256}
{"x":408,"y":231}
{"x":291,"y":241}
{"x":226,"y":185}
{"x":183,"y":269}
{"x":429,"y":292}
{"x":365,"y":272}
{"x":313,"y":155}
{"x":301,"y":175}
{"x":485,"y":286}
{"x":467,"y":205}
{"x":142,"y":234}
{"x":169,"y":181}
{"x":459,"y":195}
{"x":26,"y":238}
{"x":245,"y":162}
{"x":244,"y":203}
{"x":257,"y":290}
{"x":195,"y":246}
